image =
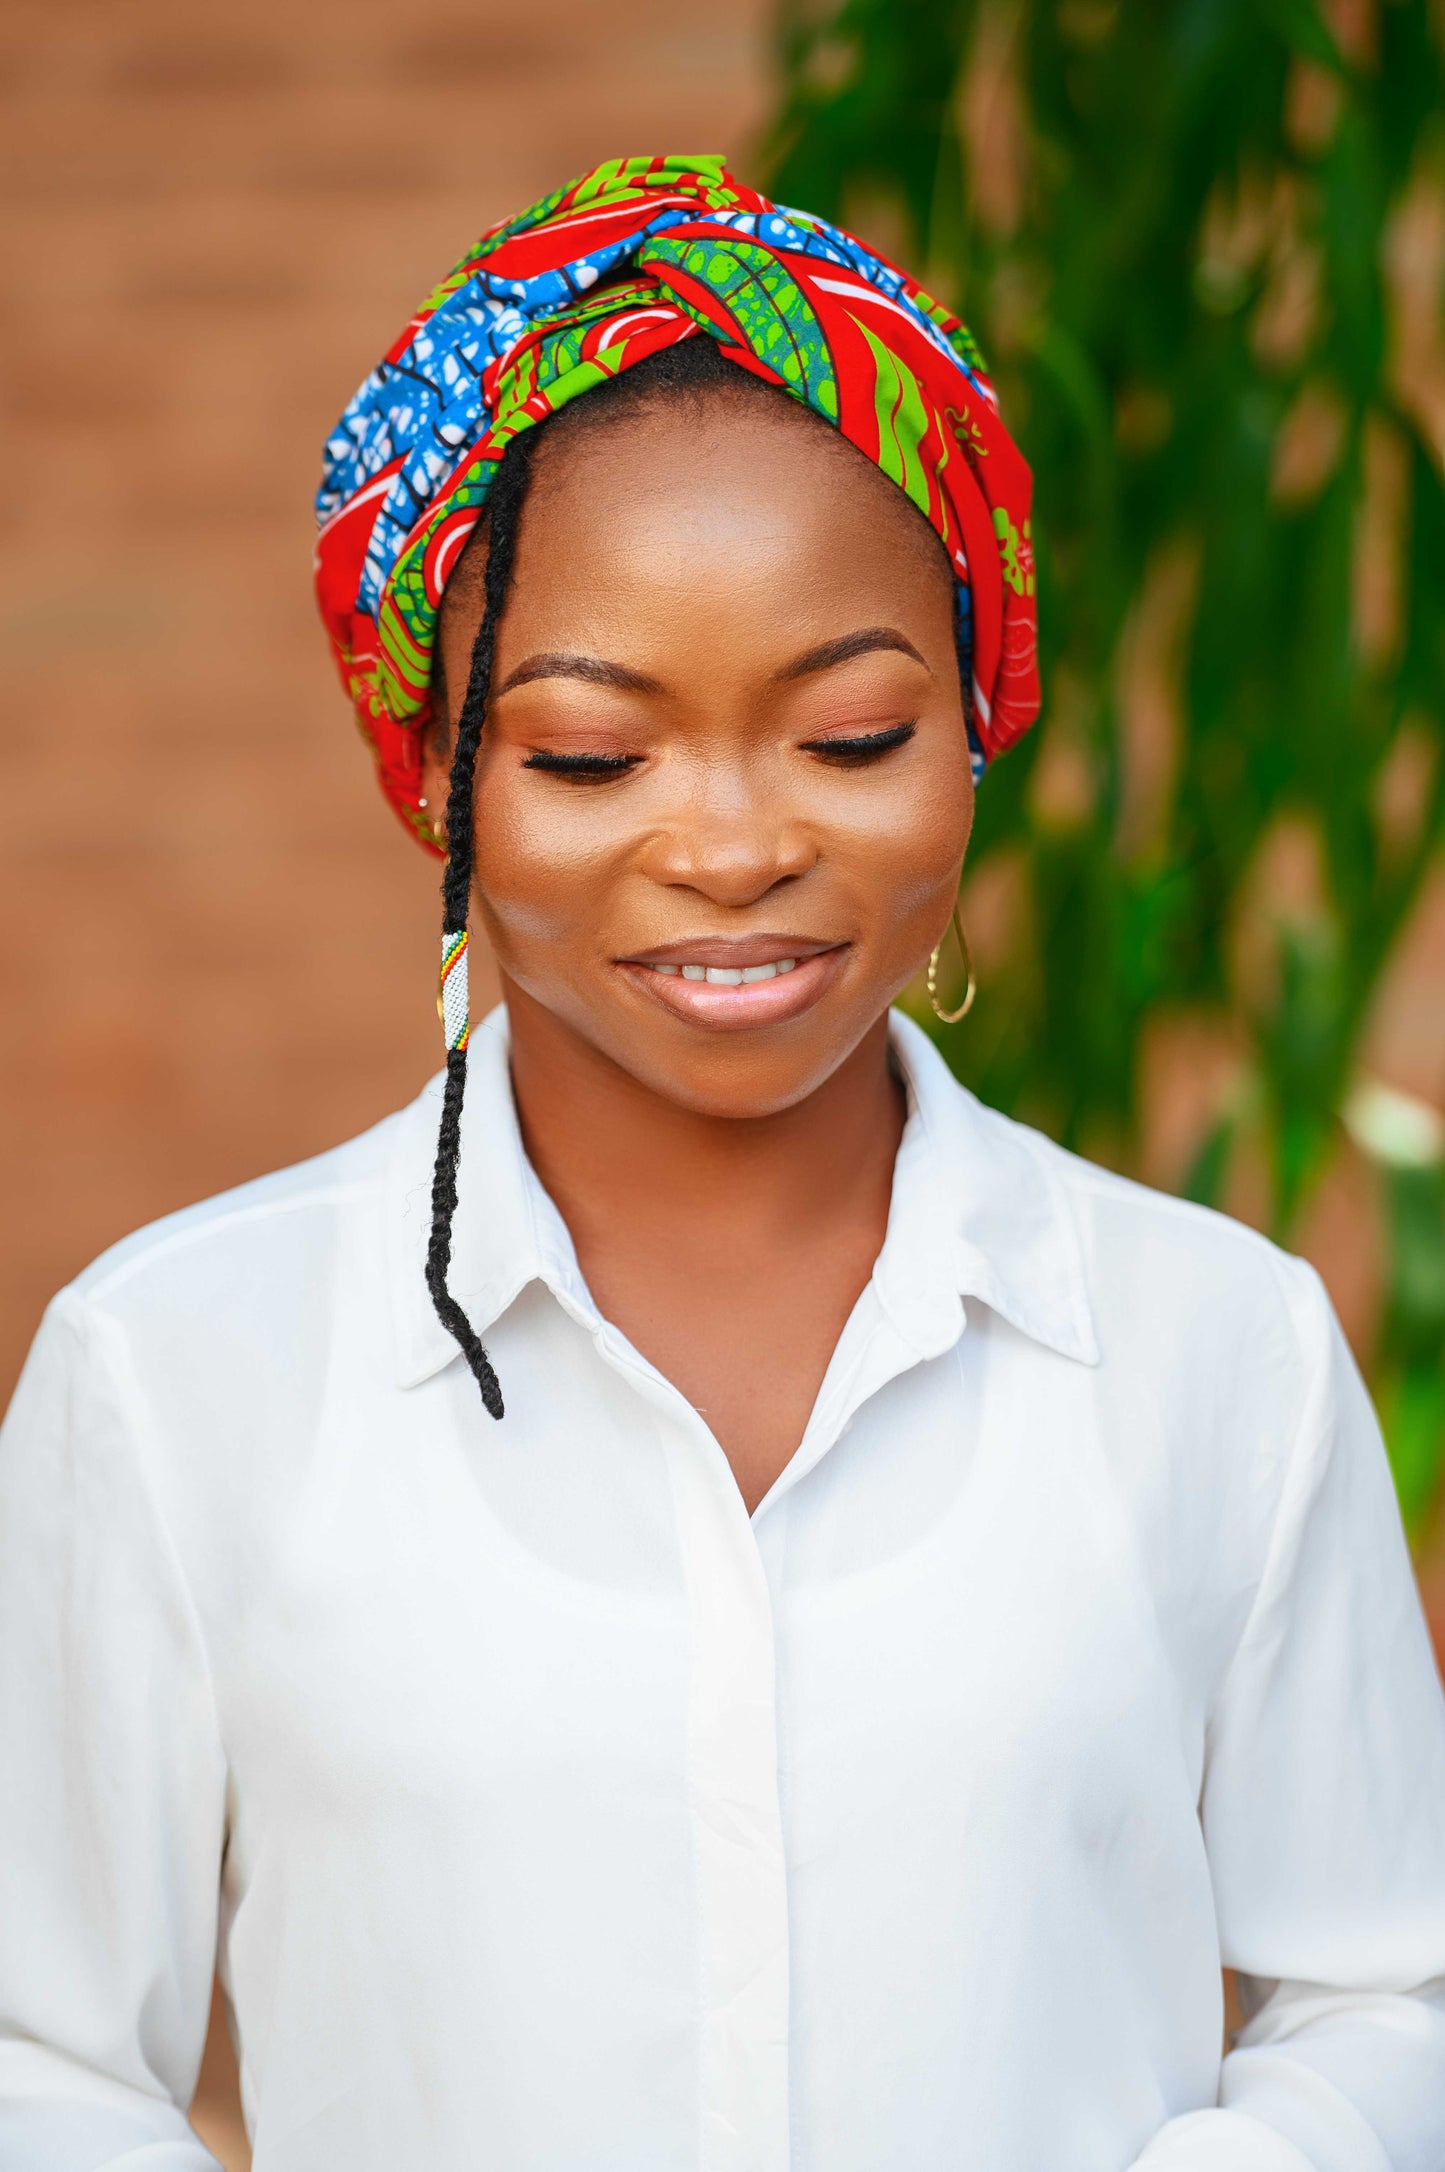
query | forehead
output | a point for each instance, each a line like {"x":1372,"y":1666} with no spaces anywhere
{"x":744,"y":507}
{"x":711,"y":474}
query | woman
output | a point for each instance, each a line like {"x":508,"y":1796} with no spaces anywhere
{"x":918,"y":1604}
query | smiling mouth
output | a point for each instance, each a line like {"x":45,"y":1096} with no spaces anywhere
{"x":729,"y":976}
{"x":732,"y":982}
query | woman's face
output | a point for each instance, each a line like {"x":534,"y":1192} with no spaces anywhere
{"x":726,"y":739}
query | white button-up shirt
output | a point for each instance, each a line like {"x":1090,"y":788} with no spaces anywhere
{"x":550,"y":1814}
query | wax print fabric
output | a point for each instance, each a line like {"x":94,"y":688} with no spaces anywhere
{"x":633,"y":257}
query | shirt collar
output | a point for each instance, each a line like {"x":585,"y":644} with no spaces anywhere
{"x":988,"y":1207}
{"x":978,"y":1211}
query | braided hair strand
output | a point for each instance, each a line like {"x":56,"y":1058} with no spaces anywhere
{"x":503,"y":518}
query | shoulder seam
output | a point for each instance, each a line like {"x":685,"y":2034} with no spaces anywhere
{"x":1292,"y":1483}
{"x":1082,"y":1175}
{"x":95,"y":1331}
{"x":182,"y":1239}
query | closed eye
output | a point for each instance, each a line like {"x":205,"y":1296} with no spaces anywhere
{"x":591,"y":768}
{"x":854,"y":753}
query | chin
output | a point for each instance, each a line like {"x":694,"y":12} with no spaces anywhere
{"x":723,"y":1078}
{"x":708,"y":1068}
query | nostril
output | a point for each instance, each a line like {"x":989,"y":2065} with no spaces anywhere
{"x":735,"y":864}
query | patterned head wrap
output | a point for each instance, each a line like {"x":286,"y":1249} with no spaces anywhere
{"x":638,"y":254}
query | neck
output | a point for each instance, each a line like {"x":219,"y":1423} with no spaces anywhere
{"x":624,"y":1163}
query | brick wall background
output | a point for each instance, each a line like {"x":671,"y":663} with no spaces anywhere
{"x":217,"y":944}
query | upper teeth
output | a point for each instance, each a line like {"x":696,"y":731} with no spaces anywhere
{"x":729,"y":976}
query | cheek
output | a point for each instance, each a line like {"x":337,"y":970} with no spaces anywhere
{"x":903,"y":847}
{"x":544,"y":862}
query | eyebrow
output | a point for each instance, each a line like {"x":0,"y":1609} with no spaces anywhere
{"x":845,"y":648}
{"x":597,"y":671}
{"x":561,"y":664}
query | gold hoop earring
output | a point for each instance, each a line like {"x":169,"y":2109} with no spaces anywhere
{"x":951,"y":1018}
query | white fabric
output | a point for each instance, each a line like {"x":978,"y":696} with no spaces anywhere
{"x":551,"y":1815}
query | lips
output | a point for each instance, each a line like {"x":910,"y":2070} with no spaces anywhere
{"x":729,"y":983}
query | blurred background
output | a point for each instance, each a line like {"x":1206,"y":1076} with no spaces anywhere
{"x":1203,"y":244}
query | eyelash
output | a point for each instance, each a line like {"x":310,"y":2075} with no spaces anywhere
{"x":842,"y":753}
{"x":588,"y":768}
{"x":856,"y":753}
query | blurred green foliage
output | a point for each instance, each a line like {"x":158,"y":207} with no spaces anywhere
{"x":1193,"y":237}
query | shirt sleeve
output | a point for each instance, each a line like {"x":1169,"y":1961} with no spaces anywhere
{"x":1324,"y":1818}
{"x":112,"y":1782}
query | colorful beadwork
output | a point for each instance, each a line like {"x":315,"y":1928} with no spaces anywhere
{"x":633,"y":257}
{"x":452,"y":999}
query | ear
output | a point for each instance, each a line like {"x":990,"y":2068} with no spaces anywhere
{"x":436,"y":756}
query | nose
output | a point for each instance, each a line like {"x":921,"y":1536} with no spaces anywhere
{"x":733,"y":841}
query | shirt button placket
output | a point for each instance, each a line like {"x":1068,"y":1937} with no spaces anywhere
{"x":737,"y":1821}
